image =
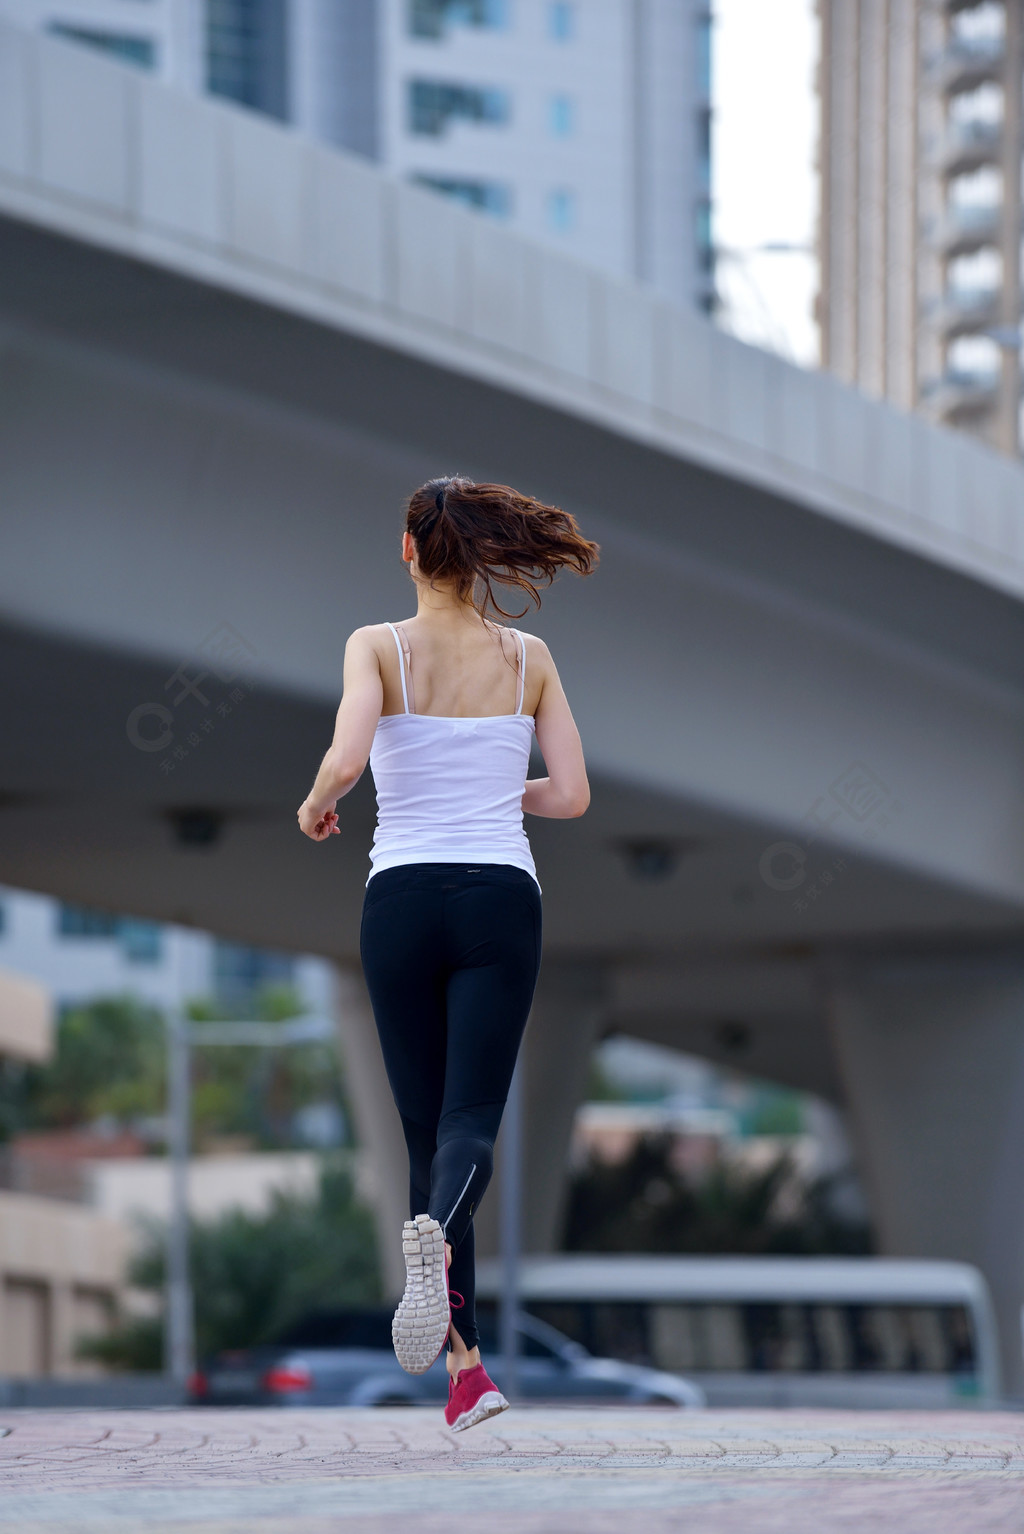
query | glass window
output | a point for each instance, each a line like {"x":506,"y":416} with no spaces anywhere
{"x":83,"y":921}
{"x":141,"y":941}
{"x":561,"y":116}
{"x":572,"y":1318}
{"x":561,"y":210}
{"x":704,"y":148}
{"x":486,"y":196}
{"x":130,"y":49}
{"x":974,"y":357}
{"x":434,"y":103}
{"x":432,"y":18}
{"x":771,"y":1337}
{"x":3,"y":917}
{"x":705,"y":246}
{"x":704,"y":56}
{"x":240,"y":971}
{"x":561,"y":20}
{"x":246,"y":53}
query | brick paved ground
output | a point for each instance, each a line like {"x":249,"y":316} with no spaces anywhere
{"x":346,"y":1471}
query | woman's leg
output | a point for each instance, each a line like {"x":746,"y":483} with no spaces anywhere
{"x":493,"y":925}
{"x":451,"y":958}
{"x":401,"y":950}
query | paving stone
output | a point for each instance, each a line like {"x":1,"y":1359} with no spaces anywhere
{"x":535,"y":1471}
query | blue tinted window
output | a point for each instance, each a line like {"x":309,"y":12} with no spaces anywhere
{"x":83,"y":921}
{"x":432,"y":18}
{"x":141,"y":941}
{"x":704,"y":148}
{"x":240,"y":971}
{"x":132,"y":50}
{"x":246,"y":53}
{"x":704,"y":56}
{"x":486,"y":196}
{"x":561,"y":116}
{"x":561,"y":20}
{"x":561,"y":210}
{"x":705,"y":245}
{"x":433,"y":104}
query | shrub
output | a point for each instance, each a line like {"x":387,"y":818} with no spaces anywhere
{"x":255,"y":1274}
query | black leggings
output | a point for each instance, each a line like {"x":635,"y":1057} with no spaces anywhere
{"x":451,"y":953}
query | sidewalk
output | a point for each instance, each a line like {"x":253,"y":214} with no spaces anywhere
{"x":348,"y":1471}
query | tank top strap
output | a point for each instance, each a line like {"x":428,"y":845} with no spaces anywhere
{"x":521,"y":692}
{"x":401,"y":665}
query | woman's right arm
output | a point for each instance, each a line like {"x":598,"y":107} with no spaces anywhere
{"x":565,"y":792}
{"x":354,"y":727}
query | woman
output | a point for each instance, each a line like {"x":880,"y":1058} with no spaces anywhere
{"x":444,"y":707}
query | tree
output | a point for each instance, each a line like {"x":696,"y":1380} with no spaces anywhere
{"x":254,"y":1274}
{"x":644,"y":1204}
{"x":110,"y":1062}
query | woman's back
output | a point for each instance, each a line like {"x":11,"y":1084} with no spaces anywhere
{"x":450,"y":784}
{"x":454,"y":669}
{"x":447,"y":723}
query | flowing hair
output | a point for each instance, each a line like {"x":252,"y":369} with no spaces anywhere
{"x":473,"y":535}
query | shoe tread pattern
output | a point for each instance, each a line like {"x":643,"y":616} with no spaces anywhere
{"x":420,"y":1326}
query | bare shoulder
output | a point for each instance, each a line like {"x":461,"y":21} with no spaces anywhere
{"x":367,"y":642}
{"x":537,"y":653}
{"x":542,"y":677}
{"x":370,"y":637}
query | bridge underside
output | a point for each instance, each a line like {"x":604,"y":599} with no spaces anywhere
{"x":662,"y":893}
{"x":175,"y":458}
{"x":178,"y":462}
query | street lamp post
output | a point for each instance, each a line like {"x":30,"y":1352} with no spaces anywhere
{"x":182,"y":1035}
{"x":178,"y":1342}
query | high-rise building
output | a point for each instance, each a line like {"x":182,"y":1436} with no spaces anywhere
{"x":921,"y":164}
{"x":314,"y":63}
{"x":586,"y":123}
{"x":80,"y":953}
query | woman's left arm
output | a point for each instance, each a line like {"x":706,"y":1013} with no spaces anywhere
{"x":349,"y":751}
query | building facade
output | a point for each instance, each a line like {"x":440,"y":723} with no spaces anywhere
{"x":79,"y":953}
{"x":920,"y":235}
{"x":585,"y":123}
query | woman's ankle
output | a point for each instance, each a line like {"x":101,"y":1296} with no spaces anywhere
{"x":458,"y":1361}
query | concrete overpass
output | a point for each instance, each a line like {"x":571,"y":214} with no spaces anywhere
{"x":226,"y":354}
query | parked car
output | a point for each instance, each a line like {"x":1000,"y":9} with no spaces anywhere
{"x":345,"y":1358}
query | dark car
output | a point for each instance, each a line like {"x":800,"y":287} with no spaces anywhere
{"x":345,"y":1358}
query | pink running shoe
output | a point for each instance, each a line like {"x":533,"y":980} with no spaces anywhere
{"x":472,"y":1398}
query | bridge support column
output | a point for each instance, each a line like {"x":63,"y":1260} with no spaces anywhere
{"x":932,"y":1058}
{"x":565,"y":1023}
{"x":377,"y":1125}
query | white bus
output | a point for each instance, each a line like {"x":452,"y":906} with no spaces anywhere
{"x":778,"y":1331}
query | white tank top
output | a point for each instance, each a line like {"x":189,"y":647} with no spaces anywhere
{"x":450,"y":790}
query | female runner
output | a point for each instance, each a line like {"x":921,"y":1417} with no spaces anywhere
{"x":444,"y":706}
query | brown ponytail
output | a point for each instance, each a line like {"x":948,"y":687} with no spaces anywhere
{"x":467,"y":533}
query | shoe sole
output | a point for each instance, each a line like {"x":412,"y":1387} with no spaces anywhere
{"x":489,"y":1405}
{"x":420,"y":1326}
